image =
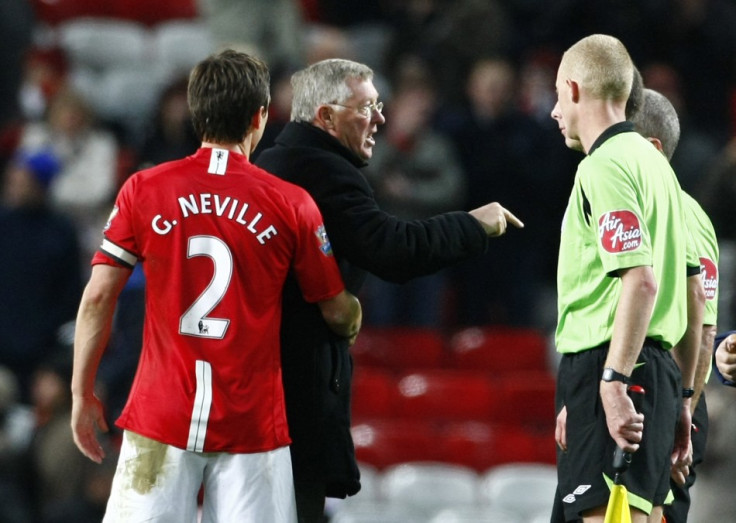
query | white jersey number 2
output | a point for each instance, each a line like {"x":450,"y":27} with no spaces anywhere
{"x":194,"y":322}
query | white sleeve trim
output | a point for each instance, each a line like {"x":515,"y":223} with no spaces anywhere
{"x":118,"y":252}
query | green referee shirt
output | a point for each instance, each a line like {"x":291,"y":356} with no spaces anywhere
{"x":625,"y":211}
{"x":706,"y":246}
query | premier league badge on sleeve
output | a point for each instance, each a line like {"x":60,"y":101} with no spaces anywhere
{"x":619,"y":231}
{"x":111,"y":217}
{"x":324,"y":241}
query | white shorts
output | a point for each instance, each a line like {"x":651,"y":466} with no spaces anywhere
{"x":159,"y":483}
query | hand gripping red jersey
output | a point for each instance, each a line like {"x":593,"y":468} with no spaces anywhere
{"x":216,"y":236}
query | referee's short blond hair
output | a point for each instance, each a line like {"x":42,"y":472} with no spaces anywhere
{"x":601,"y":66}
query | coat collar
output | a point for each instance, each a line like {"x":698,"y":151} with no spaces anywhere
{"x":305,"y":134}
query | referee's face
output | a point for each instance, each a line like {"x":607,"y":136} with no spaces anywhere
{"x":575,"y":145}
{"x":563,"y":108}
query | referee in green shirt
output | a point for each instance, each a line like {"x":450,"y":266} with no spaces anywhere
{"x":658,"y":122}
{"x":622,"y":296}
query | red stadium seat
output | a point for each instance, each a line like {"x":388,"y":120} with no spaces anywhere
{"x":446,"y":395}
{"x":152,"y":13}
{"x":374,"y":393}
{"x":475,"y":444}
{"x":484,"y":445}
{"x":400,"y":348}
{"x":384,"y":442}
{"x":53,"y":12}
{"x":499,"y":349}
{"x":147,"y":12}
{"x":528,"y":398}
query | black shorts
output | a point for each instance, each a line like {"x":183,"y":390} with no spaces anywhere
{"x":582,"y":469}
{"x":677,"y":511}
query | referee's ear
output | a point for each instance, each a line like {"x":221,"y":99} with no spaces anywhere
{"x":657,"y":143}
{"x":574,"y":90}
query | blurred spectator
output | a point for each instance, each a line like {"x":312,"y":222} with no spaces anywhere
{"x":325,"y":41}
{"x":40,"y":268}
{"x":537,"y":84}
{"x":415,"y":174}
{"x":716,"y":194}
{"x":16,"y":426}
{"x":364,"y":24}
{"x":637,"y":24}
{"x":87,"y":180}
{"x":170,"y":134}
{"x":700,"y":43}
{"x":59,"y":468}
{"x":16,"y":30}
{"x":553,"y":177}
{"x":89,"y":505}
{"x":271,"y":29}
{"x":16,"y":418}
{"x":44,"y":74}
{"x":16,"y":27}
{"x":279,"y":110}
{"x":696,"y":149}
{"x":343,"y":14}
{"x":502,"y":151}
{"x":413,"y":28}
{"x":322,"y":42}
{"x":466,"y":31}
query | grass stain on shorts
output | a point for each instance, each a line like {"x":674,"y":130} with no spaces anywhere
{"x":143,"y":470}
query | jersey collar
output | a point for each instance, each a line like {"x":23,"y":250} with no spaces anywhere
{"x":617,"y":128}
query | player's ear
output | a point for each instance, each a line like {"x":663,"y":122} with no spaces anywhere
{"x":574,"y":90}
{"x":259,"y":119}
{"x":657,"y":143}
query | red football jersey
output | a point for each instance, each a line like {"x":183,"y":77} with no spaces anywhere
{"x":216,"y":236}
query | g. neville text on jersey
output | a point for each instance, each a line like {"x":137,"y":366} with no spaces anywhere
{"x":225,"y":207}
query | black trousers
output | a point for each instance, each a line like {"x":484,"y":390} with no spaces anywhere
{"x":310,"y":502}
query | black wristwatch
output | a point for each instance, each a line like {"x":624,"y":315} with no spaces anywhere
{"x":611,"y":375}
{"x":688,"y":393}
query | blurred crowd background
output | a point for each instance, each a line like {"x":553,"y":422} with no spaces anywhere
{"x":92,"y":91}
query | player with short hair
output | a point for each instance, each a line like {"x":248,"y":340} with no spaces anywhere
{"x":622,"y":293}
{"x":216,"y":237}
{"x":657,"y":120}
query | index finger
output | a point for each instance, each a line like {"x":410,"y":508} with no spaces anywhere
{"x":513,"y":220}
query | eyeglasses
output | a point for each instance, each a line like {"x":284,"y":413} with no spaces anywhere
{"x":364,"y":110}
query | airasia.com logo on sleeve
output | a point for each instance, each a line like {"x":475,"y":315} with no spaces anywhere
{"x":619,"y":231}
{"x":709,"y":274}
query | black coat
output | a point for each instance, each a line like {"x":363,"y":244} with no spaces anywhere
{"x":317,"y":367}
